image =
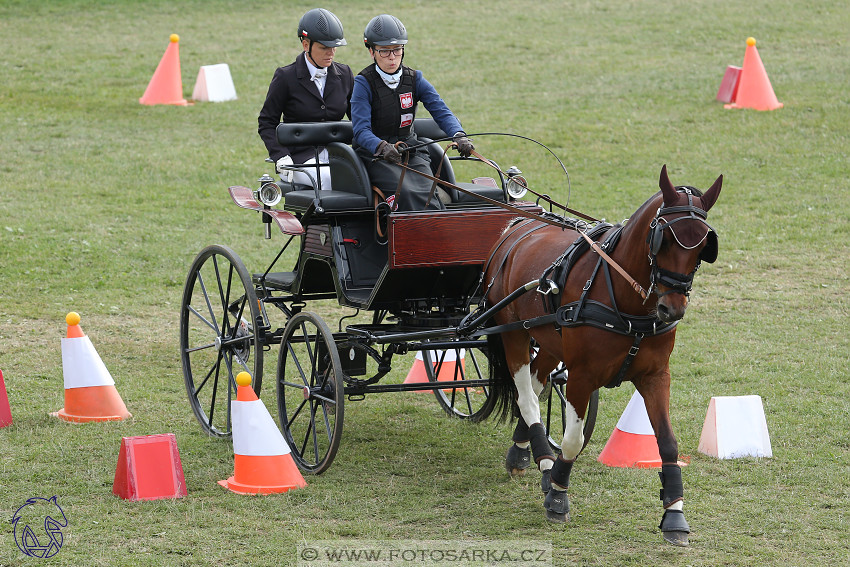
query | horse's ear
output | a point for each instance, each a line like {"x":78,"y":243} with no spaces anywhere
{"x":666,"y":186}
{"x":710,"y":197}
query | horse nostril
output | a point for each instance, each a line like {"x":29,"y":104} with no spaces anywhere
{"x":663,"y":313}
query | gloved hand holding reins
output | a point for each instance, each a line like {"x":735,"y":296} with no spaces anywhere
{"x":464,"y":145}
{"x":388,"y":152}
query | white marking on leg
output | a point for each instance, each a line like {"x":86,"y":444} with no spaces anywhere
{"x":676,"y":505}
{"x":573,"y":434}
{"x":527,"y":399}
{"x":536,"y":385}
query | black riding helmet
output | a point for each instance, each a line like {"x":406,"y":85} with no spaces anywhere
{"x":323,"y":26}
{"x":384,"y":30}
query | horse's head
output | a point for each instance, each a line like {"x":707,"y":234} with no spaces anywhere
{"x":678,"y":239}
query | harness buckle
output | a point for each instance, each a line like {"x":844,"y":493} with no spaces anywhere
{"x":550,"y":286}
{"x":587,"y":285}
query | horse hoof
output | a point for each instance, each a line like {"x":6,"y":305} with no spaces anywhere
{"x":517,"y":460}
{"x":557,"y":518}
{"x":679,"y":539}
{"x":557,"y":506}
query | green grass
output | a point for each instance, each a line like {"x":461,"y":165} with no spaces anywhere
{"x":105,"y":202}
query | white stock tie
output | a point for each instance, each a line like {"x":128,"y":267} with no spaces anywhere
{"x":319,"y":78}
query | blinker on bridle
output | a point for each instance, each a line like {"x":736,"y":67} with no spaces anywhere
{"x":677,"y":282}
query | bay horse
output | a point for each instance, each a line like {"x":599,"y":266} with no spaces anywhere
{"x":604,"y":332}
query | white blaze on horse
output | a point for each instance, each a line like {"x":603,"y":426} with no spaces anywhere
{"x":603,"y":327}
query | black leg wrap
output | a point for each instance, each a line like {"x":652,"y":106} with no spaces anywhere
{"x":674,"y":521}
{"x":540,"y":447}
{"x":521,"y":431}
{"x":561,"y":472}
{"x":546,"y":481}
{"x":557,"y":506}
{"x":671,"y":484}
{"x":517,"y":460}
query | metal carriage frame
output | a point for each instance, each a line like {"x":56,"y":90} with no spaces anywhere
{"x":417,"y":273}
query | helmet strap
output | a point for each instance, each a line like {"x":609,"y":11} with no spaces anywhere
{"x":310,"y":55}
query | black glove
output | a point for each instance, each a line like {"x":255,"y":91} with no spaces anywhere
{"x":464,"y":145}
{"x":388,"y":152}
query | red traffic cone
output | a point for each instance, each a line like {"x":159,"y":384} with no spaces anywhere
{"x":262,"y":460}
{"x":754,"y":88}
{"x":5,"y":410}
{"x":90,"y":393}
{"x":633,"y":443}
{"x":448,"y":369}
{"x":166,"y":85}
{"x":149,"y":468}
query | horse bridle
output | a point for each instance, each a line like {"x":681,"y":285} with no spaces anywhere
{"x":675,"y":281}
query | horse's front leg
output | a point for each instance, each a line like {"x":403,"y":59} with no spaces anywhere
{"x":673,"y":525}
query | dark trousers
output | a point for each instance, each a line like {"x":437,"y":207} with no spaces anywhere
{"x":413,"y":194}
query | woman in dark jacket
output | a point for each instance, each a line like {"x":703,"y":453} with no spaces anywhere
{"x":312,"y":89}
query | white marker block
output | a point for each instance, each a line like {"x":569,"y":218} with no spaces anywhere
{"x":214,"y":84}
{"x":735,"y":427}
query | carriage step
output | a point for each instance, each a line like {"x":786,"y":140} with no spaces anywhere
{"x":278,"y":280}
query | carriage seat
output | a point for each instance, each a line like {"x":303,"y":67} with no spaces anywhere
{"x":351,"y":190}
{"x":427,"y":130}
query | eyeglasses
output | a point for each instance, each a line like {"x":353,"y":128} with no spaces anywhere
{"x":398,"y":52}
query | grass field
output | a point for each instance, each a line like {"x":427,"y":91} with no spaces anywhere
{"x":105,"y":202}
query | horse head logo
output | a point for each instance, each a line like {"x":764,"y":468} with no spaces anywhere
{"x":35,"y":514}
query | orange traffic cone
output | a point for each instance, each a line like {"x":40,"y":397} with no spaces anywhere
{"x":166,"y":86}
{"x":5,"y":410}
{"x":262,"y":461}
{"x":90,"y":393}
{"x":633,"y":443}
{"x":754,"y":89}
{"x":448,"y":369}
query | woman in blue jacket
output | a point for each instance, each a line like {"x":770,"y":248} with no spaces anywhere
{"x":383,"y":106}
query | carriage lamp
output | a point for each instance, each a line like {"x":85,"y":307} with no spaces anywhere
{"x":269,"y":192}
{"x":517,"y":185}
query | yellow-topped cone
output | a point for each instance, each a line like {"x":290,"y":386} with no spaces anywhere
{"x":90,"y":393}
{"x":166,"y":85}
{"x":754,"y":88}
{"x":262,"y":460}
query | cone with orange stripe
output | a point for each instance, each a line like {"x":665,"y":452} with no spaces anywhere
{"x":90,"y":393}
{"x":447,"y":361}
{"x":754,"y":88}
{"x":262,"y":460}
{"x":633,"y":443}
{"x":166,"y":85}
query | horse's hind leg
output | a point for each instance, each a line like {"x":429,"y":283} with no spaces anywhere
{"x":528,"y":389}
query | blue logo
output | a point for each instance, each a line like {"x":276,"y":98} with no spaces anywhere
{"x":38,"y":527}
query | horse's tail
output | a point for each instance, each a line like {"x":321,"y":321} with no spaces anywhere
{"x":503,"y":384}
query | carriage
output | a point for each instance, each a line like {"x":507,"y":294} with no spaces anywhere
{"x":415,"y":275}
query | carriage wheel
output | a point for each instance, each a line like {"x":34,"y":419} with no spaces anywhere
{"x":217,"y":338}
{"x":310,"y":392}
{"x":555,"y":406}
{"x":454,"y":366}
